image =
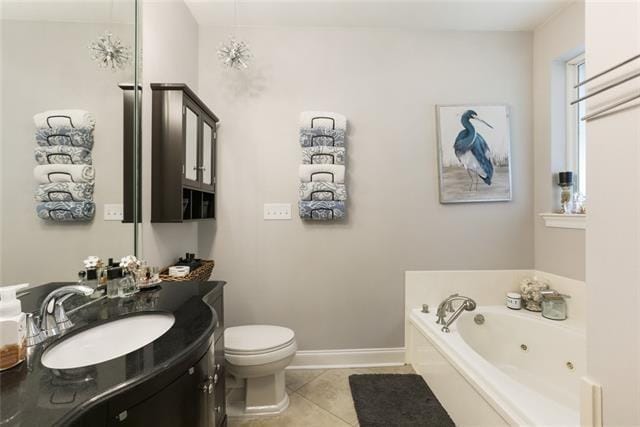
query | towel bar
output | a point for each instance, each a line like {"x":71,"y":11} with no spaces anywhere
{"x":608,"y":70}
{"x":610,"y":107}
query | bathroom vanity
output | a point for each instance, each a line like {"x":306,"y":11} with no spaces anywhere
{"x":175,"y":380}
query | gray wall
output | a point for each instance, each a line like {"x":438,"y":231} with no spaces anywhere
{"x":170,"y":55}
{"x":340,"y":285}
{"x":46,"y":65}
{"x":557,"y":250}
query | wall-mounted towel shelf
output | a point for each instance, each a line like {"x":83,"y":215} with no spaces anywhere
{"x":599,"y":112}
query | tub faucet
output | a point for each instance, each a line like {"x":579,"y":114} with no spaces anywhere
{"x":467,"y":304}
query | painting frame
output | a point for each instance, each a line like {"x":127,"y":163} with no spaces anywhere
{"x":444,"y":194}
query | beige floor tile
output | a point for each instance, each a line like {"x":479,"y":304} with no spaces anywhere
{"x":300,"y":413}
{"x":331,"y":391}
{"x":296,"y":378}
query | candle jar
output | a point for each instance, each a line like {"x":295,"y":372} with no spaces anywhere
{"x":565,"y":198}
{"x":565,"y":181}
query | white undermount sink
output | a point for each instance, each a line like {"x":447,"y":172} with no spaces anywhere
{"x":107,"y":341}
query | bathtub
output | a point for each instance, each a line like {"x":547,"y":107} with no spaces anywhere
{"x":516,"y":368}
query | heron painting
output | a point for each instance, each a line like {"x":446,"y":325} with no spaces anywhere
{"x":474,"y":153}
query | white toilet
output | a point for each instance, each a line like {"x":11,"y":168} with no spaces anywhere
{"x":256,"y":357}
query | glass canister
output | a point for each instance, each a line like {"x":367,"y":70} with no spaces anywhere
{"x":565,"y":181}
{"x":127,"y":285}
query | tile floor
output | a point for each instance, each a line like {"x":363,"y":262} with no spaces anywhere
{"x":318,"y":398}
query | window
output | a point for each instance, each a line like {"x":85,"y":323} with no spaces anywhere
{"x":576,"y":135}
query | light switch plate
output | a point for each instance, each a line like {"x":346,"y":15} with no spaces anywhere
{"x":277,"y":211}
{"x":113,"y":212}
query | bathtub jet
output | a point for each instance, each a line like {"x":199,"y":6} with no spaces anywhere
{"x":447,"y":305}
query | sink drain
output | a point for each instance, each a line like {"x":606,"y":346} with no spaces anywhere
{"x":570,"y":366}
{"x":479,"y":319}
{"x":524,"y":347}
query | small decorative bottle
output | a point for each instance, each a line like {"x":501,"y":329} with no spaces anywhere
{"x":127,"y":285}
{"x":114,"y":274}
{"x":565,"y":181}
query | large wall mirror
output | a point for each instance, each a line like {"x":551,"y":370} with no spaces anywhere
{"x":69,"y":163}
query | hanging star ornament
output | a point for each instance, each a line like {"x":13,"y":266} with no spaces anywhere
{"x":234,"y":54}
{"x":109,"y":52}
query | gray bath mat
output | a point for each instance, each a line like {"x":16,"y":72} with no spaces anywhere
{"x":396,"y":400}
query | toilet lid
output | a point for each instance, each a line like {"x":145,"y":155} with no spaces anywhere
{"x":256,"y":338}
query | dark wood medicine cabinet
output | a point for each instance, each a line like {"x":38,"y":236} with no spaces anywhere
{"x":183,"y":172}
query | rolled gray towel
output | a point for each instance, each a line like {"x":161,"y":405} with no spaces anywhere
{"x":323,"y":119}
{"x":321,"y":137}
{"x":62,"y":154}
{"x":322,"y":172}
{"x":322,"y":210}
{"x":66,"y":211}
{"x":323,"y":155}
{"x":65,"y":192}
{"x":74,"y":119}
{"x":319,"y":190}
{"x":45,"y":174}
{"x":47,"y":137}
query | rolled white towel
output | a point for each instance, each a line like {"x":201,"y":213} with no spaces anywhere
{"x":322,"y":173}
{"x":45,"y":174}
{"x":74,"y":119}
{"x":323,"y":119}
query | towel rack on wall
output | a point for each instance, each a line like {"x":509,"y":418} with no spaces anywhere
{"x":616,"y":104}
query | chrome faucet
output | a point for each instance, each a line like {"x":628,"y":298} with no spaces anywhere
{"x":53,"y":320}
{"x":467,"y":304}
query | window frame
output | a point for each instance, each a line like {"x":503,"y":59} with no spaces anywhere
{"x":572,"y":159}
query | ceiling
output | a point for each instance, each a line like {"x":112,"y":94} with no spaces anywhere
{"x":462,"y":15}
{"x":86,"y":11}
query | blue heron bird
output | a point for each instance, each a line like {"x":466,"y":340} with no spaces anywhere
{"x":473,"y":151}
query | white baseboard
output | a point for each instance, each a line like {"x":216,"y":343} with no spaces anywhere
{"x":348,"y":358}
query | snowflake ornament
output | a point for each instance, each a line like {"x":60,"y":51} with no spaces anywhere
{"x":109,"y":52}
{"x":234,"y":54}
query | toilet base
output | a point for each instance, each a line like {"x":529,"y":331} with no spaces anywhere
{"x":240,"y":409}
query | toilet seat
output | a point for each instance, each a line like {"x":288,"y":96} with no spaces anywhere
{"x":258,"y":344}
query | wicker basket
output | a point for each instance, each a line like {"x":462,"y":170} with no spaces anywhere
{"x":200,"y":274}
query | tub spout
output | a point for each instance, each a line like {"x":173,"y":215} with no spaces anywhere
{"x":467,"y":304}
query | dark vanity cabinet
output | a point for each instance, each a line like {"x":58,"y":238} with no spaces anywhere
{"x":196,"y":398}
{"x":183,"y":170}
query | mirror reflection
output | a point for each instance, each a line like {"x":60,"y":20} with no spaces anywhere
{"x":63,"y":128}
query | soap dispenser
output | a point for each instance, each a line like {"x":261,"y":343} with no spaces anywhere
{"x":13,"y":328}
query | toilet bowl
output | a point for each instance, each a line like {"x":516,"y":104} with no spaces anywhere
{"x":256,"y":357}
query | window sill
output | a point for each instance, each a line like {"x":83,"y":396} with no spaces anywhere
{"x":555,"y":220}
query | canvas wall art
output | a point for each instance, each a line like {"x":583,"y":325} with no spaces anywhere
{"x":474,"y":153}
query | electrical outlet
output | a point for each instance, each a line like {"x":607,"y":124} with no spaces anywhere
{"x":113,"y":212}
{"x":277,"y":211}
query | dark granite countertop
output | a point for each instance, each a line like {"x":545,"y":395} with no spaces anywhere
{"x":34,"y":395}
